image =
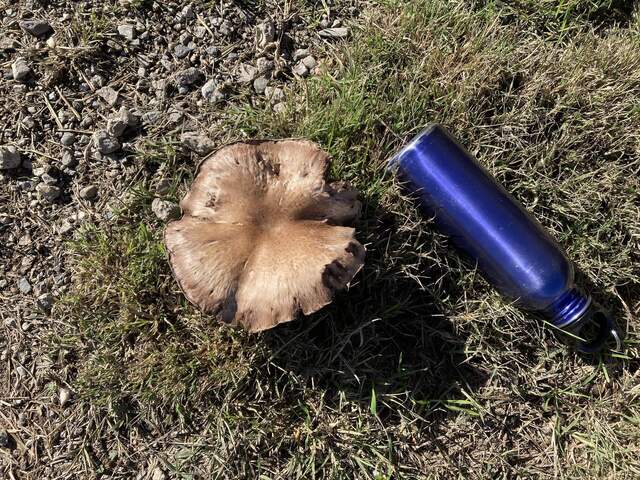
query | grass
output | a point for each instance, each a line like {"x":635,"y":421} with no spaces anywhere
{"x":421,"y":370}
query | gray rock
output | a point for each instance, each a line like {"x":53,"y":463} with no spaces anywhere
{"x":89,"y":192}
{"x":274,"y":94}
{"x":9,"y":157}
{"x":127,"y":31}
{"x":28,"y":122}
{"x":300,"y":69}
{"x":187,"y":12}
{"x":20,"y":69}
{"x":109,"y":95}
{"x":188,"y":77}
{"x":98,"y":81}
{"x":208,"y":89}
{"x":309,"y":62}
{"x":68,"y":160}
{"x":163,"y":186}
{"x":181,"y":51}
{"x":340,"y":32}
{"x":48,"y":193}
{"x":212,"y":51}
{"x":300,"y":53}
{"x":48,"y":179}
{"x":265,"y":33}
{"x":198,"y":143}
{"x":117,"y":124}
{"x":246,"y":73}
{"x":260,"y":84}
{"x":280,"y":107}
{"x":105,"y":143}
{"x":165,"y":210}
{"x":35,"y":27}
{"x":68,"y":139}
{"x":264,"y":65}
{"x":45,"y":302}
{"x":151,"y":117}
{"x":24,"y":286}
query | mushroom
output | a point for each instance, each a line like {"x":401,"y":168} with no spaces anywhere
{"x":263,"y":236}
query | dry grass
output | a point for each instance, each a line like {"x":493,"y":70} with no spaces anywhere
{"x":421,"y":370}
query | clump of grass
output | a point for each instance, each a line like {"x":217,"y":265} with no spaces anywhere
{"x":421,"y":370}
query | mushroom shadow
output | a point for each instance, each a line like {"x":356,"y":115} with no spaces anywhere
{"x":386,"y":342}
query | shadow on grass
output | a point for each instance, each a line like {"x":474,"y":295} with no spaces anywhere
{"x":386,"y":343}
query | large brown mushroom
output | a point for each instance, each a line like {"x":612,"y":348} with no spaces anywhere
{"x":263,"y":237}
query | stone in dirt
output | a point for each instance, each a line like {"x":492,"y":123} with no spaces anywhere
{"x":24,"y":286}
{"x":309,"y":62}
{"x":20,"y":69}
{"x":188,"y":77}
{"x":265,"y":33}
{"x":127,"y":31}
{"x":89,"y":192}
{"x":247,"y":73}
{"x":165,"y":210}
{"x":105,"y":143}
{"x":200,"y":144}
{"x":109,"y":95}
{"x":300,"y":53}
{"x":119,"y":123}
{"x":68,"y":139}
{"x":35,"y":27}
{"x":48,"y":193}
{"x":45,"y":302}
{"x":9,"y":157}
{"x":339,"y":32}
{"x":260,"y":84}
{"x":300,"y":69}
{"x":274,"y":94}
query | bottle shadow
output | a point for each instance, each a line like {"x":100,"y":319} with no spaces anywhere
{"x":386,"y":343}
{"x":616,"y":307}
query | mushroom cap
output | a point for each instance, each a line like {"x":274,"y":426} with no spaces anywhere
{"x":263,"y":237}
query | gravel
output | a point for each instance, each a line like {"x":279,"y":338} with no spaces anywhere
{"x":36,"y":27}
{"x":97,"y":95}
{"x":48,"y":193}
{"x":24,"y":286}
{"x":68,"y":139}
{"x":127,"y":31}
{"x":89,"y":192}
{"x":20,"y":69}
{"x":201,"y":144}
{"x":9,"y":157}
{"x":105,"y":143}
{"x":340,"y":32}
{"x":165,"y":210}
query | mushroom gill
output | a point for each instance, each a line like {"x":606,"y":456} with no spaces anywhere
{"x":263,"y":237}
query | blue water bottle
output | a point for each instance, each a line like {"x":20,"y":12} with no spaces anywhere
{"x":511,"y":249}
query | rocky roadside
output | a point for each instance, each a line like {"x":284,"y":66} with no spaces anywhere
{"x":85,"y":87}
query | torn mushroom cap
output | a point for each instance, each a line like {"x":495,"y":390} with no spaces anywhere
{"x":261,"y":237}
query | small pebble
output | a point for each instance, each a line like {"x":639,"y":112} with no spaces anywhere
{"x":200,"y":144}
{"x":68,"y":139}
{"x":9,"y":157}
{"x":127,"y":31}
{"x":340,"y":32}
{"x":20,"y":69}
{"x":105,"y":143}
{"x":89,"y":192}
{"x":165,"y":210}
{"x":260,"y":84}
{"x":24,"y":286}
{"x":35,"y":27}
{"x":48,"y":193}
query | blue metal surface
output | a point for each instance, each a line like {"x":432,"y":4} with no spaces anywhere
{"x":511,"y":249}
